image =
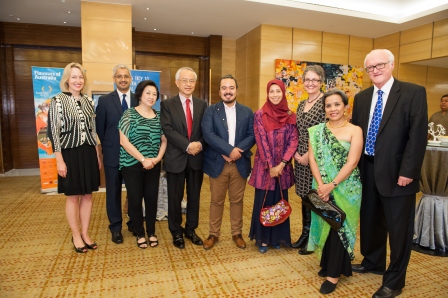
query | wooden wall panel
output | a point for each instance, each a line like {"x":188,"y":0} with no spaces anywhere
{"x":41,"y":35}
{"x":228,"y":56}
{"x":307,"y":45}
{"x":420,"y":50}
{"x":440,"y":46}
{"x":436,"y":87}
{"x":416,"y":34}
{"x":6,"y":107}
{"x":358,"y":49}
{"x":214,"y":67}
{"x":392,"y":43}
{"x":335,"y":48}
{"x":169,"y":43}
{"x":413,"y":73}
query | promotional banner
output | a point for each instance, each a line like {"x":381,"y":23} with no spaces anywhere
{"x":142,"y":75}
{"x":45,"y":86}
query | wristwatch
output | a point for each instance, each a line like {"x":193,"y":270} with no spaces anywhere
{"x":284,"y":161}
{"x":334,"y":183}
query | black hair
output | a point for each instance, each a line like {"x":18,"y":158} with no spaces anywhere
{"x":142,"y":85}
{"x":333,"y":92}
{"x":228,"y":76}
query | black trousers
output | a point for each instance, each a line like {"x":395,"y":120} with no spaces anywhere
{"x":114,"y":181}
{"x":379,"y":217}
{"x":141,"y":183}
{"x":176,"y":184}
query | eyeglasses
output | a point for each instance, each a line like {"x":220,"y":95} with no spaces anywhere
{"x":314,"y":81}
{"x":185,"y":81}
{"x":378,"y":66}
{"x":126,"y":77}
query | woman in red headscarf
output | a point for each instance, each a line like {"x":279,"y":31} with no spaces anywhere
{"x":277,"y":139}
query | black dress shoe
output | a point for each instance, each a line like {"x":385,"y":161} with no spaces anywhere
{"x":358,"y":268}
{"x":178,"y":241}
{"x":195,"y":239}
{"x":301,"y":242}
{"x":327,"y":287}
{"x":117,"y":237}
{"x":385,"y":292}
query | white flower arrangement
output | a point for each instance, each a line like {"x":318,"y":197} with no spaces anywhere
{"x":439,"y":132}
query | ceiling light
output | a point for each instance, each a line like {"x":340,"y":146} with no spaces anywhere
{"x":18,"y":19}
{"x":68,"y":11}
{"x":65,"y":22}
{"x":11,"y":15}
{"x":155,"y":29}
{"x":145,"y":19}
{"x":192,"y":32}
{"x":147,"y":8}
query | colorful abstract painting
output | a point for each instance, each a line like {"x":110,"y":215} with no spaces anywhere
{"x":344,"y":77}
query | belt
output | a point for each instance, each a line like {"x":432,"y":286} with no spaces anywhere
{"x":370,"y":158}
{"x":230,"y":162}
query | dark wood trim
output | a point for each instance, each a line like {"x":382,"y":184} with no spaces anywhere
{"x":215,"y":54}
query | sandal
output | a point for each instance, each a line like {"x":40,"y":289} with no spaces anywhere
{"x":90,"y":246}
{"x":140,"y":244}
{"x":81,"y":250}
{"x":153,"y":243}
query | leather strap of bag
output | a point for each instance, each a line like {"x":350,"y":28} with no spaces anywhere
{"x":267,"y":189}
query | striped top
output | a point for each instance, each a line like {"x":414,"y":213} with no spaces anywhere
{"x":71,"y":123}
{"x":143,"y":133}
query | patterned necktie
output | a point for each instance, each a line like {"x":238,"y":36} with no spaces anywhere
{"x":124,"y":104}
{"x":374,"y":125}
{"x":188,"y":115}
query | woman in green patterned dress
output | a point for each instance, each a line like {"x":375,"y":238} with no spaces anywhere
{"x":142,"y":148}
{"x":334,"y":152}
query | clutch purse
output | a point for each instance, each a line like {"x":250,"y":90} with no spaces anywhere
{"x":329,"y":211}
{"x":276,"y":214}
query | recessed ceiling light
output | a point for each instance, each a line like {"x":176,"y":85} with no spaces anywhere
{"x":147,"y":8}
{"x":145,"y":19}
{"x":192,"y":32}
{"x":63,"y":0}
{"x":68,"y":11}
{"x":65,"y":22}
{"x":11,"y":15}
{"x":155,"y":29}
{"x":18,"y":19}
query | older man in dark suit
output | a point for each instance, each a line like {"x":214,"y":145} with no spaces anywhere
{"x":181,"y":118}
{"x":228,"y":129}
{"x":108,"y":112}
{"x":393,"y":116}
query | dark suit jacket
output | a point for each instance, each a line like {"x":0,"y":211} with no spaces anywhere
{"x":401,"y":140}
{"x":108,"y":113}
{"x":216,"y":135}
{"x":174,"y":126}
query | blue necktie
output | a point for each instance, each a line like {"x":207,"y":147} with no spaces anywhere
{"x":124,"y":104}
{"x":374,"y":125}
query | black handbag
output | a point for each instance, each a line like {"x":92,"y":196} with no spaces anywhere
{"x":329,"y":211}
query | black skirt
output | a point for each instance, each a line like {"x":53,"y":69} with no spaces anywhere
{"x":335,"y":259}
{"x":83,"y":175}
{"x":276,"y":235}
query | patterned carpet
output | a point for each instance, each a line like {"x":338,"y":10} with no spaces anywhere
{"x":37,"y":258}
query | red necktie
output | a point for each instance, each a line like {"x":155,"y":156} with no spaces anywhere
{"x":189,"y":119}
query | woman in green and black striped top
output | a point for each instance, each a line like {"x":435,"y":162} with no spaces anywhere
{"x":142,"y":148}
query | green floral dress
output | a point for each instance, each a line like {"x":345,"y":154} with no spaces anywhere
{"x":331,"y":155}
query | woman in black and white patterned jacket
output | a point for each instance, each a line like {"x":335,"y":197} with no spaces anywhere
{"x":71,"y":129}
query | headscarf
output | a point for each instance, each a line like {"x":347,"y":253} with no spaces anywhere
{"x":276,"y":116}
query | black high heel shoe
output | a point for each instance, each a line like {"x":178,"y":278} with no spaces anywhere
{"x":81,"y":250}
{"x":90,"y":246}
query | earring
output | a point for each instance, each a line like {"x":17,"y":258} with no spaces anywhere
{"x":345,"y":113}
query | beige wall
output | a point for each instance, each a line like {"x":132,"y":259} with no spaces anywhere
{"x":106,"y":33}
{"x":257,"y":50}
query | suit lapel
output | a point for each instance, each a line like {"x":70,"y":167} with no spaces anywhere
{"x":180,"y":112}
{"x":196,"y":115}
{"x":364,"y":123}
{"x":220,"y":110}
{"x":117,"y":102}
{"x":392,"y":99}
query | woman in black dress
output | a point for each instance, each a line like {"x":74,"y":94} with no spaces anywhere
{"x":309,"y":113}
{"x":71,"y":130}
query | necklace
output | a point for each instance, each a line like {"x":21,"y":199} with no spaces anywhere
{"x":329,"y":125}
{"x":318,"y":95}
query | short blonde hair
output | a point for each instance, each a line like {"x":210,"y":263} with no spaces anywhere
{"x":63,"y":84}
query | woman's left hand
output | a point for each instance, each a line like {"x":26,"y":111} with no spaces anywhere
{"x":277,"y":170}
{"x":148,"y":163}
{"x":324,"y":191}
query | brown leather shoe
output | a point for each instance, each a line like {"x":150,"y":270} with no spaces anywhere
{"x":238,"y":239}
{"x":210,"y":242}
